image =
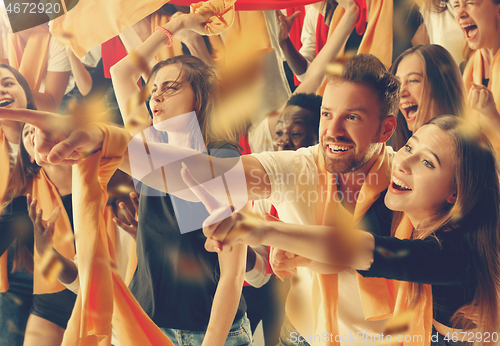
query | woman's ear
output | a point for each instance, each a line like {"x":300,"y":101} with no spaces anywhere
{"x":452,"y":199}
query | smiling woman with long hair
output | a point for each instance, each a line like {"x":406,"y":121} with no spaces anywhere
{"x":52,"y":306}
{"x":14,"y":280}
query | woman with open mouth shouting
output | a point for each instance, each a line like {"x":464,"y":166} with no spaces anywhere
{"x":480,"y":23}
{"x":14,"y":93}
{"x":431,"y":85}
{"x":52,"y":303}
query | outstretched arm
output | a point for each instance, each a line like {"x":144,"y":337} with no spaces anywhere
{"x":345,"y":245}
{"x":58,"y":140}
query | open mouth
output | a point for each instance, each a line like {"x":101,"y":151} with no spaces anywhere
{"x":399,"y":185}
{"x":410,"y":110}
{"x":337,"y":149}
{"x":5,"y":103}
{"x":470,"y":30}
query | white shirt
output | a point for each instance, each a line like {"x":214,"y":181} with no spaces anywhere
{"x":57,"y":61}
{"x":13,"y":150}
{"x":293,"y":176}
{"x":308,"y":37}
{"x":260,"y":137}
{"x":444,"y":30}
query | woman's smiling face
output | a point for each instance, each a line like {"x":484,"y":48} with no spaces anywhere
{"x":480,"y":22}
{"x":411,"y":74}
{"x":422,"y":175}
{"x":12,"y":94}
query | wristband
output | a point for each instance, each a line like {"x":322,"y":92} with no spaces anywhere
{"x":166,"y":32}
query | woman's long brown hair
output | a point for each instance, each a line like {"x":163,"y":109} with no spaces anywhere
{"x":443,"y":90}
{"x":474,"y":216}
{"x":204,"y":83}
{"x":21,"y":176}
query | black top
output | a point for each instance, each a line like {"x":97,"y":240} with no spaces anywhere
{"x":176,"y":278}
{"x":378,"y":218}
{"x":15,"y":223}
{"x":447,"y":265}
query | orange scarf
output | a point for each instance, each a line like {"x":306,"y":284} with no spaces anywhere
{"x":28,"y":52}
{"x":474,"y":74}
{"x":375,"y":293}
{"x":113,"y":17}
{"x":4,"y":181}
{"x":422,"y":323}
{"x":103,"y":297}
{"x":45,"y":192}
{"x":377,"y":39}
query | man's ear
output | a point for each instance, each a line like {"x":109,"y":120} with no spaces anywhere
{"x":452,"y":199}
{"x":387,"y":128}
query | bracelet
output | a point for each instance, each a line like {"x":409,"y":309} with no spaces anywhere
{"x":166,"y":32}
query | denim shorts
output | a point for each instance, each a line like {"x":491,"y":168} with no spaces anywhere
{"x":239,"y":335}
{"x":289,"y":335}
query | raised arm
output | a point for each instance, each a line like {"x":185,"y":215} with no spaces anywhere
{"x":126,"y":73}
{"x":316,"y":72}
{"x":481,"y":99}
{"x":55,"y":85}
{"x":296,"y":61}
{"x":82,"y":76}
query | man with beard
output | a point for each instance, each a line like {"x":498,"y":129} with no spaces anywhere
{"x":345,"y":176}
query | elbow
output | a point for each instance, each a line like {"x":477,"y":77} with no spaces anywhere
{"x":114,"y":70}
{"x":85,"y":90}
{"x":119,"y":69}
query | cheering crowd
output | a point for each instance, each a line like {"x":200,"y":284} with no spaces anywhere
{"x":180,"y":172}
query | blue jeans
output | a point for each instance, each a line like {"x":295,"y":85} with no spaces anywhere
{"x":239,"y":335}
{"x":289,"y":335}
